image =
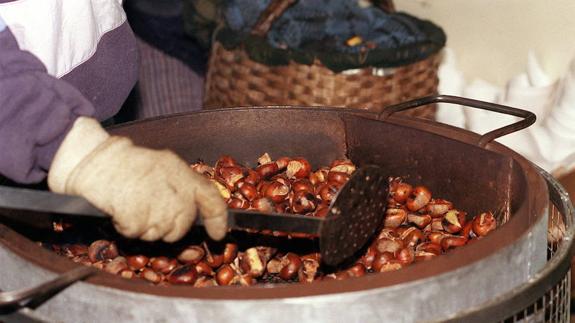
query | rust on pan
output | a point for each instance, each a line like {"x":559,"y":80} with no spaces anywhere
{"x":495,"y":173}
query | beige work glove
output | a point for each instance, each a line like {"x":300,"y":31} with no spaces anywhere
{"x":150,"y":194}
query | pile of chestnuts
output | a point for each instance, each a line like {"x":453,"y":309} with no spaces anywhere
{"x":417,"y":227}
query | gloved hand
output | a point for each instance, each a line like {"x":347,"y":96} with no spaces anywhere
{"x":150,"y":194}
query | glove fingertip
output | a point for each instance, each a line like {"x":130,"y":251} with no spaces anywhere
{"x":181,"y":227}
{"x":128,"y":231}
{"x":215,"y":218}
{"x":216,"y":227}
{"x":173,"y":237}
{"x":151,"y":235}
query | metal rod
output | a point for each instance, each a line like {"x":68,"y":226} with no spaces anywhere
{"x":14,"y":298}
{"x":528,"y":117}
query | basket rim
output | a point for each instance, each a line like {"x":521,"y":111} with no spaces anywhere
{"x":259,"y":50}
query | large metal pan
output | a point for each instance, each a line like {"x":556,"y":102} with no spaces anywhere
{"x":472,"y":170}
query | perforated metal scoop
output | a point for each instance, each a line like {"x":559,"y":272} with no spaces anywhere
{"x":353,"y":217}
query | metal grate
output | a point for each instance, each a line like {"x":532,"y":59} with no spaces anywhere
{"x":546,"y":297}
{"x":554,"y":305}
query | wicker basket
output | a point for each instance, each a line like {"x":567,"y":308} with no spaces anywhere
{"x":234,"y":79}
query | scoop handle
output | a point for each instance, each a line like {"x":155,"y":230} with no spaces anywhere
{"x":48,"y":203}
{"x":242,"y":219}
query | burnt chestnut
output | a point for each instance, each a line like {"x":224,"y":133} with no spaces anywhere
{"x":453,"y":221}
{"x":337,"y":177}
{"x":183,"y":275}
{"x":248,"y":190}
{"x":213,"y":260}
{"x":266,"y":253}
{"x":283,"y":179}
{"x":467,"y":231}
{"x":436,"y":225}
{"x":231,"y":175}
{"x":225,"y":161}
{"x":116,"y":265}
{"x":343,"y":166}
{"x":318,"y":177}
{"x":75,"y":250}
{"x":263,"y":204}
{"x":127,"y":273}
{"x":369,"y":256}
{"x":264,"y":159}
{"x":137,"y":262}
{"x":230,"y":253}
{"x":303,"y":202}
{"x":163,"y":264}
{"x":277,"y":191}
{"x":282,"y":207}
{"x":252,"y":178}
{"x":224,"y":191}
{"x":246,"y":280}
{"x":225,"y":275}
{"x":400,"y":191}
{"x":388,"y":233}
{"x":191,"y":255}
{"x":420,"y":220}
{"x":357,"y":270}
{"x":450,"y":242}
{"x":429,"y":247}
{"x":202,"y":168}
{"x":322,"y":210}
{"x":236,"y":203}
{"x":203,"y":269}
{"x":303,"y":185}
{"x":418,"y":199}
{"x":151,"y":276}
{"x":267,"y":170}
{"x":327,"y":191}
{"x":274,"y":266}
{"x":394,"y":218}
{"x":405,"y":256}
{"x":282,"y":163}
{"x":291,"y":265}
{"x":381,"y":259}
{"x":392,"y":265}
{"x":205,"y":282}
{"x":438,"y":207}
{"x":298,"y":168}
{"x":436,"y":237}
{"x":309,"y":269}
{"x":411,"y":237}
{"x":340,"y":275}
{"x":484,"y":223}
{"x":101,"y":250}
{"x":388,"y":245}
{"x":424,"y":256}
{"x":251,"y":263}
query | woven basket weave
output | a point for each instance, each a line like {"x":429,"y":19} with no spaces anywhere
{"x":233,"y":79}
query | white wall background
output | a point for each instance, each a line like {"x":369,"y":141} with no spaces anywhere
{"x":491,"y":37}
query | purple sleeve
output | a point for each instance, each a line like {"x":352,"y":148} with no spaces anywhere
{"x":36,"y":112}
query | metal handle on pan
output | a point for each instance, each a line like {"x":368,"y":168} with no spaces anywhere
{"x":24,"y":297}
{"x":528,"y":117}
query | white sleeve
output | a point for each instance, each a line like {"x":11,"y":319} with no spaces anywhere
{"x":61,"y":33}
